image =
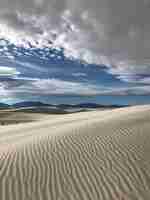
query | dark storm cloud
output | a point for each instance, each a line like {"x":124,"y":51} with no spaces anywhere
{"x":111,"y":32}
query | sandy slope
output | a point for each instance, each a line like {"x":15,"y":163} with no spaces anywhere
{"x":83,"y":156}
{"x":11,"y":116}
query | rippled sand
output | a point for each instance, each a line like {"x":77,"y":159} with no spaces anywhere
{"x":84,"y":156}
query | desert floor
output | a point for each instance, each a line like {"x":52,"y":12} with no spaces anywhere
{"x":12,"y":116}
{"x":84,"y":156}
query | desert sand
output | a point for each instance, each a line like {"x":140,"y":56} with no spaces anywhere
{"x":12,"y":116}
{"x":98,"y":155}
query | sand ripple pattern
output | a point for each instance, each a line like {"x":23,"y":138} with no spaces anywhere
{"x":84,"y":158}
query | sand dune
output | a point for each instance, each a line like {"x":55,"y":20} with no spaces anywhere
{"x":12,"y":116}
{"x":84,"y":156}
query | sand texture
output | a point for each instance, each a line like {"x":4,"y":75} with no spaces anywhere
{"x":99,"y":155}
{"x":12,"y":116}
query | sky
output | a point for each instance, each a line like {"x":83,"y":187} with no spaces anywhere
{"x":75,"y":51}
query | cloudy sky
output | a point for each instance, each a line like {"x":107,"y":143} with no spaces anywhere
{"x":75,"y":51}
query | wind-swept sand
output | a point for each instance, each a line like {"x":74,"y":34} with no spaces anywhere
{"x":84,"y":156}
{"x":11,"y":116}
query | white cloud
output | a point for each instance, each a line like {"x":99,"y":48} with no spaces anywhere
{"x":8,"y":72}
{"x":3,"y":91}
{"x":131,"y":71}
{"x":20,"y":88}
{"x":56,"y":86}
{"x":45,"y":87}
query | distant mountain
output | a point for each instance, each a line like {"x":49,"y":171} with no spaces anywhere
{"x":87,"y":105}
{"x":4,"y":106}
{"x":30,"y":104}
{"x":33,"y":104}
{"x":83,"y":105}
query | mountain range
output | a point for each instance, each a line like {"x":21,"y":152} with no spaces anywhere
{"x":27,"y":104}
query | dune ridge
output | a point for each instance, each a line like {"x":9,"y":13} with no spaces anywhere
{"x":84,"y":156}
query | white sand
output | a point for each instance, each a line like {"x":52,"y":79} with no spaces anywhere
{"x":12,"y":115}
{"x":84,"y":156}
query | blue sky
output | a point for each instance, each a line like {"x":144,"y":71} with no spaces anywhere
{"x":75,"y":51}
{"x":48,"y":76}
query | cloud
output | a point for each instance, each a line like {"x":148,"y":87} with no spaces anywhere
{"x":79,"y":74}
{"x":24,"y":88}
{"x":8,"y":72}
{"x":57,"y":87}
{"x":131,"y":71}
{"x":44,"y":87}
{"x":105,"y":32}
{"x":31,"y":66}
{"x":3,"y":91}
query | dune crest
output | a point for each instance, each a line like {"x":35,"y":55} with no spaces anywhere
{"x":99,"y":155}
